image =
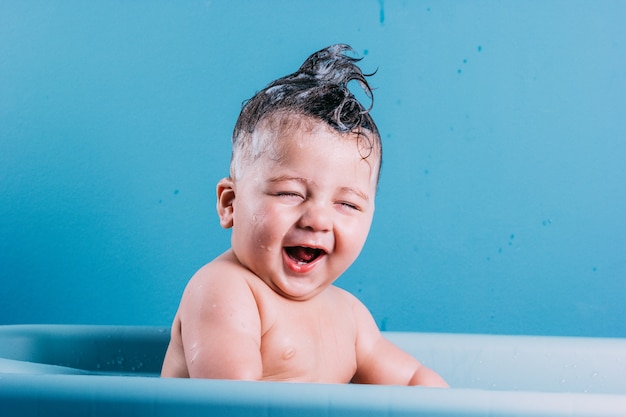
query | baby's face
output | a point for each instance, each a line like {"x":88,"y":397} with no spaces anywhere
{"x":303,"y":210}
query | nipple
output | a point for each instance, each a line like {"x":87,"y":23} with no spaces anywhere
{"x":288,"y":353}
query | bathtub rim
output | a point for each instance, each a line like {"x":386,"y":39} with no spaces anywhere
{"x":30,"y":394}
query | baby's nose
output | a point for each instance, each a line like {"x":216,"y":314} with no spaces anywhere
{"x":317,"y":217}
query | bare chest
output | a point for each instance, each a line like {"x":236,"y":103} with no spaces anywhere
{"x":309,"y":345}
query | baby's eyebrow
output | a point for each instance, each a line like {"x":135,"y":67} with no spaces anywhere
{"x":356,"y":192}
{"x":282,"y":178}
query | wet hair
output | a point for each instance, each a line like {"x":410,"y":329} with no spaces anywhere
{"x":318,"y":90}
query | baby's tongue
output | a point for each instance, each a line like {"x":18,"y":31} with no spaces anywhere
{"x":303,"y":254}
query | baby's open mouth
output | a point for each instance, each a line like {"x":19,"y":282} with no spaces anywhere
{"x":304,"y":255}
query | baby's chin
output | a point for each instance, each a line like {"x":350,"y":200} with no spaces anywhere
{"x":297,"y":289}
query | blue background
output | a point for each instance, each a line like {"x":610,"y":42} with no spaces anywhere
{"x":502,"y":203}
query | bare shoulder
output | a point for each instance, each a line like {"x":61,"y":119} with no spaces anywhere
{"x":362,"y":316}
{"x":347,"y":304}
{"x":342,"y":295}
{"x":344,"y":298}
{"x":222,"y":282}
{"x":217,"y":300}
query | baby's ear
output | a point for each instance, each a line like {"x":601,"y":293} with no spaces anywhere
{"x":225,"y":200}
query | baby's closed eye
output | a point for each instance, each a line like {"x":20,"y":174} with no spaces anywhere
{"x":290,"y":196}
{"x":349,"y":206}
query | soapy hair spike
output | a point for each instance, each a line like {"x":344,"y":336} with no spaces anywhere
{"x":318,"y":89}
{"x":334,"y":66}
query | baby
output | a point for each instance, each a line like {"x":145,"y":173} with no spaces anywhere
{"x":300,"y":201}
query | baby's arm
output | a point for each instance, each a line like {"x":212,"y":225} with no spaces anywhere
{"x":220,"y":325}
{"x":381,"y":362}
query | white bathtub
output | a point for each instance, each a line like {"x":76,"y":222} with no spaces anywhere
{"x":66,"y":370}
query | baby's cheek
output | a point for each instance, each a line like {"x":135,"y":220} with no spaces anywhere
{"x":266,"y":235}
{"x":353,"y":242}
